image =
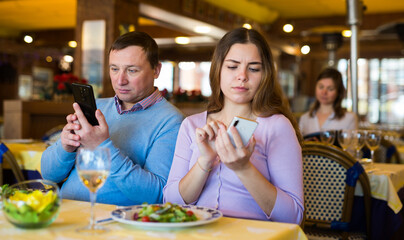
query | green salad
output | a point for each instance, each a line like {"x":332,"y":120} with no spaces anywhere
{"x":167,"y":212}
{"x":30,"y":206}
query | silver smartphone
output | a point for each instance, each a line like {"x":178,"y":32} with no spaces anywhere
{"x":245,"y":128}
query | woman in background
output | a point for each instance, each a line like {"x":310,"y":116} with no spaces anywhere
{"x":262,"y":180}
{"x":326,"y":113}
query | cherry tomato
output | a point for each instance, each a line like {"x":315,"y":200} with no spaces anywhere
{"x":145,"y":219}
{"x":189,"y":213}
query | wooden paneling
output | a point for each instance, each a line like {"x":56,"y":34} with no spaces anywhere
{"x":32,"y":119}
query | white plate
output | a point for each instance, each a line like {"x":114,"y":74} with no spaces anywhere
{"x":204,"y":215}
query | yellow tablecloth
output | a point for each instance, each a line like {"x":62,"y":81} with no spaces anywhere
{"x":28,"y":155}
{"x":386,"y":180}
{"x":75,"y":214}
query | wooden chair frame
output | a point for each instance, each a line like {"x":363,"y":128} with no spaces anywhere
{"x":347,"y":161}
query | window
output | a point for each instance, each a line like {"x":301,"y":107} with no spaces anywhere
{"x":194,"y":76}
{"x":380,"y":89}
{"x":166,"y":77}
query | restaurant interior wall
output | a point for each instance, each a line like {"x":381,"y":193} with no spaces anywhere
{"x":303,"y":69}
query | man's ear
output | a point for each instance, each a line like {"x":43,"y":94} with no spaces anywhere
{"x":157,"y":70}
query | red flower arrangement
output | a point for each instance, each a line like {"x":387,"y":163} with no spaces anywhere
{"x":62,"y":83}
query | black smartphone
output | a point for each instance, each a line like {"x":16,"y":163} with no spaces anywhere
{"x":84,"y":96}
{"x":245,"y":128}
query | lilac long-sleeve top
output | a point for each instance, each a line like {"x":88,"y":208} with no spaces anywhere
{"x":277,"y":155}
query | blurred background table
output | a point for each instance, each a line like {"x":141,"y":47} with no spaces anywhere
{"x":387,"y":189}
{"x":386,"y":180}
{"x":75,"y":214}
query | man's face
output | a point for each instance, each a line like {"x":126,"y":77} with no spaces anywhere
{"x":131,"y":74}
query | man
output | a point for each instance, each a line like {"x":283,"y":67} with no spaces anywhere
{"x":138,"y":126}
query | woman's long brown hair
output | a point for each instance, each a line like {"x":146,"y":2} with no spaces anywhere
{"x":269,"y":98}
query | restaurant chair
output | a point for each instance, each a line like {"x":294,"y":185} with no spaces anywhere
{"x":53,"y":134}
{"x":387,"y":152}
{"x":329,"y":178}
{"x":316,"y":136}
{"x":6,"y":155}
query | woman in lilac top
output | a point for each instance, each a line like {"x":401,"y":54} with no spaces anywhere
{"x":262,"y":180}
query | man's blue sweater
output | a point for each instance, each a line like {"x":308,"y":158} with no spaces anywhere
{"x":142,"y":147}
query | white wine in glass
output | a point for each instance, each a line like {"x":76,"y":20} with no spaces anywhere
{"x":93,"y":167}
{"x":373,"y":139}
{"x":345,"y":139}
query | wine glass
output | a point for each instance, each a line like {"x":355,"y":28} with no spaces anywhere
{"x":93,"y":167}
{"x":345,"y":139}
{"x":358,"y":140}
{"x":373,"y":139}
{"x":328,"y":137}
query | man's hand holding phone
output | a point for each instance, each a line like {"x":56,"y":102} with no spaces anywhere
{"x":90,"y":136}
{"x":70,"y":141}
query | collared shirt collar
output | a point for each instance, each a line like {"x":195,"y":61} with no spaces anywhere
{"x":154,"y":98}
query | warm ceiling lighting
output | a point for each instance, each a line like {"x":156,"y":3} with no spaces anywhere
{"x":247,"y":25}
{"x":72,"y":44}
{"x":49,"y":59}
{"x":68,"y":58}
{"x":182,"y":40}
{"x":202,"y":29}
{"x":346,"y":33}
{"x":305,"y":49}
{"x":28,"y":39}
{"x":288,"y":28}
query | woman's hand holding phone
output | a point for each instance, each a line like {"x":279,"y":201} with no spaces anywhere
{"x":236,"y":156}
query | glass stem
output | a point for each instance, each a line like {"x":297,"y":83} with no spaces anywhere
{"x":371,"y":154}
{"x":93,"y":196}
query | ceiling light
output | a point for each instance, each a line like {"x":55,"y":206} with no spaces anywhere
{"x":28,"y":39}
{"x":305,"y":49}
{"x":346,"y":33}
{"x":49,"y":59}
{"x":182,"y":40}
{"x":202,"y":29}
{"x":72,"y":44}
{"x":68,"y":58}
{"x":247,"y":25}
{"x":288,"y":28}
{"x":186,"y":23}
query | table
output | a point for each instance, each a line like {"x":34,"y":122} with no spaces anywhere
{"x":75,"y":214}
{"x":386,"y":183}
{"x":386,"y":180}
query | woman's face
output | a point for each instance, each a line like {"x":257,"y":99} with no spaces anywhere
{"x":326,"y":92}
{"x":241,"y":73}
